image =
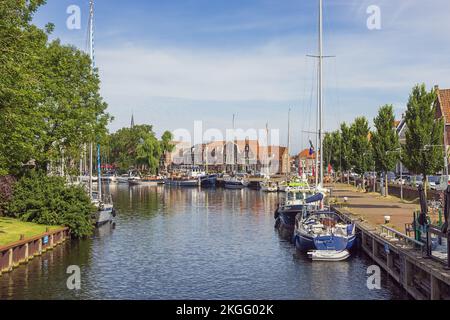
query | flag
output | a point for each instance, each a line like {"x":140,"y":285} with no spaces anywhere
{"x":311,"y":149}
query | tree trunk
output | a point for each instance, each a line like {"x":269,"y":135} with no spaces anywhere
{"x":425,"y":185}
{"x":348,"y":177}
{"x":386,"y":185}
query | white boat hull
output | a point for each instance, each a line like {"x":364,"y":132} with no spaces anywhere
{"x":104,"y":215}
{"x":328,"y":255}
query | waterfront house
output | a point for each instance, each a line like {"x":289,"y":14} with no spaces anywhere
{"x":443,"y":111}
{"x":305,"y":161}
{"x":224,"y":156}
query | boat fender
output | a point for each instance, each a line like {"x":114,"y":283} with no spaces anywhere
{"x":114,"y":212}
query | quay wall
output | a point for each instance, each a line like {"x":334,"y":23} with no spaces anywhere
{"x":20,"y":252}
{"x":403,"y":260}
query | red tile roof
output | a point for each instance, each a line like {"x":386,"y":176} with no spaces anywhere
{"x":444,"y":103}
{"x":305,"y":155}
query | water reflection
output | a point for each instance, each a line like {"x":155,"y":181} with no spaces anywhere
{"x":175,"y":243}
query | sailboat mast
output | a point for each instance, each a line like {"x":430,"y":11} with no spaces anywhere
{"x":91,"y":147}
{"x":320,"y":92}
{"x":289,"y":143}
{"x":234,"y":145}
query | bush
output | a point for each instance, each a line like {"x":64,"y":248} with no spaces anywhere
{"x":48,"y":200}
{"x":6,"y":190}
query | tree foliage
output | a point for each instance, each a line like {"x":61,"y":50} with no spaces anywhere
{"x":361,"y":154}
{"x":48,"y":200}
{"x":385,"y":141}
{"x":423,"y":152}
{"x":138,"y":147}
{"x":49,"y":96}
{"x":346,"y":147}
{"x":332,"y":150}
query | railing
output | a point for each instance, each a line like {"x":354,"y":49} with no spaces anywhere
{"x":395,"y":236}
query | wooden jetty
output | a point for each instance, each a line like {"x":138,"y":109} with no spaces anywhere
{"x":403,"y":258}
{"x":20,"y":252}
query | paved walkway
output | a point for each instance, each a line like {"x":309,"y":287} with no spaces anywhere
{"x":372,"y":207}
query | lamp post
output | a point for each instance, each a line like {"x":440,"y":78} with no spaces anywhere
{"x":399,"y":151}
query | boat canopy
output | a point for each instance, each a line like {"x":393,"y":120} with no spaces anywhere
{"x":315,"y":198}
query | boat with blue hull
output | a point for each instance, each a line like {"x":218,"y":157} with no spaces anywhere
{"x":323,"y":230}
{"x":208,"y":181}
{"x":293,"y":204}
{"x":236,"y":182}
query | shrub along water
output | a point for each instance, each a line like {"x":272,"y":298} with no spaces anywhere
{"x":48,"y":200}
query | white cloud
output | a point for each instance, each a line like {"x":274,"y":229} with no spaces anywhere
{"x":200,"y":75}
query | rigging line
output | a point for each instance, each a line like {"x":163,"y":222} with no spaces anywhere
{"x":304,"y":100}
{"x":312,"y":92}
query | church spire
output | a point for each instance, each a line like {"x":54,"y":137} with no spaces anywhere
{"x":132,"y":121}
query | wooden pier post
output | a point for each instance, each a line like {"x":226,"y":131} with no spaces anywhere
{"x":435,"y":289}
{"x":11,"y":260}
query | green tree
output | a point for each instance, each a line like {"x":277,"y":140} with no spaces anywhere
{"x":361,"y":155}
{"x":166,"y":146}
{"x":22,"y":48}
{"x":49,"y":96}
{"x":385,"y":142}
{"x":346,"y":149}
{"x":48,"y":200}
{"x":331,"y":148}
{"x":138,"y":147}
{"x":423,"y":152}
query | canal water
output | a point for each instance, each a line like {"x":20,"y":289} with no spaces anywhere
{"x":174,"y":243}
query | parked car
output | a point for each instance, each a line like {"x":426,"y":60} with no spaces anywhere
{"x":442,"y":184}
{"x":434,"y":181}
{"x":416,"y":181}
{"x":402,"y":181}
{"x":370,"y":175}
{"x":390,"y":177}
{"x":354,"y":176}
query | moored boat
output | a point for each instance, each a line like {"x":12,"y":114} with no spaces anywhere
{"x":208,"y":181}
{"x":328,"y":255}
{"x":123,"y":178}
{"x":323,"y":230}
{"x":134,"y":180}
{"x":105,"y":210}
{"x":269,"y":186}
{"x":236,"y":182}
{"x":183,"y":182}
{"x":288,"y":209}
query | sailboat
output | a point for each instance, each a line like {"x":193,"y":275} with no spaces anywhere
{"x":319,"y":231}
{"x":105,"y":209}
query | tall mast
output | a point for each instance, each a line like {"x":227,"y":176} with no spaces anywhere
{"x":91,"y":54}
{"x":234,"y":145}
{"x":267,"y":153}
{"x":289,"y":142}
{"x":320,"y":92}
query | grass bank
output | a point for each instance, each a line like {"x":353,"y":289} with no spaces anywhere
{"x":12,"y":229}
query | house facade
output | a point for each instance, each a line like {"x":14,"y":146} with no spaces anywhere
{"x":443,"y":112}
{"x":226,"y":156}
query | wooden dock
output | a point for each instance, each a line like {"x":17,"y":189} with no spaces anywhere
{"x":403,"y":258}
{"x":20,"y":252}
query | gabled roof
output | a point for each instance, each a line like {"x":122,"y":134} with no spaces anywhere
{"x":305,"y":155}
{"x":444,"y":102}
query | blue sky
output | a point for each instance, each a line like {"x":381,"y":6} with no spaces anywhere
{"x":173,"y":62}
